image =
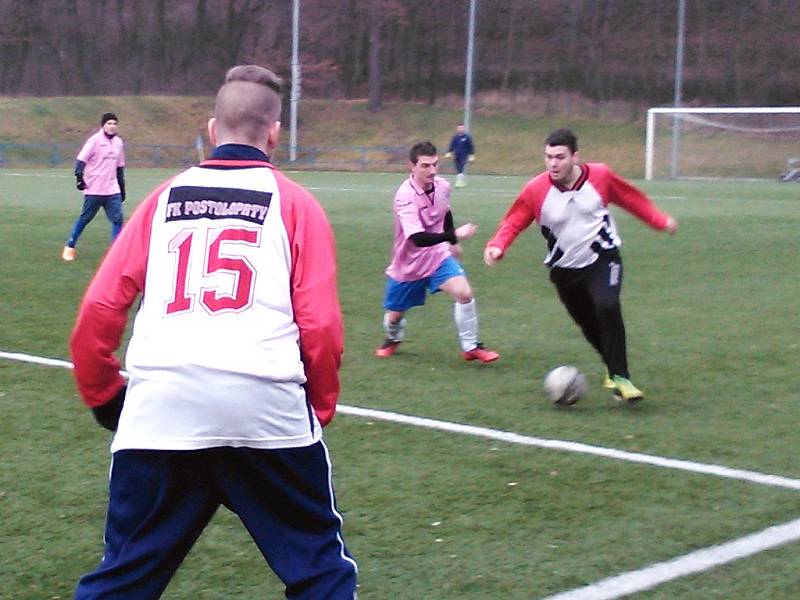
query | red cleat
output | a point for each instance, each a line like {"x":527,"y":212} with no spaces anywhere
{"x":480,"y":353}
{"x":386,"y":349}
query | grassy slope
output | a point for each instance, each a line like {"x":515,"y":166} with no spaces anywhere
{"x":508,"y":137}
{"x":143,"y":119}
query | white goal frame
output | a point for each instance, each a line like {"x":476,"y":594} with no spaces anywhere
{"x":649,"y":158}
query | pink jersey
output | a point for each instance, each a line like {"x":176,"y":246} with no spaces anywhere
{"x":416,"y":211}
{"x":576,"y":222}
{"x":102,"y":157}
{"x":238,"y":337}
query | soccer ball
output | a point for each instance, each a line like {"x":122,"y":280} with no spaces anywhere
{"x":564,"y":385}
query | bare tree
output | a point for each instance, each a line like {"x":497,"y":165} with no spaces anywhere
{"x":18,"y":31}
{"x":375,"y":102}
{"x":741,"y":51}
{"x":511,"y":42}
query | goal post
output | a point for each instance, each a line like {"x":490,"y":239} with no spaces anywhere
{"x":719,"y":142}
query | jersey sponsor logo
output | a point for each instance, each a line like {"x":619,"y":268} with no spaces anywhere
{"x":188,"y":203}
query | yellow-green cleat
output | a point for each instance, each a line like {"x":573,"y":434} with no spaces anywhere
{"x":625,"y":390}
{"x":607,"y":382}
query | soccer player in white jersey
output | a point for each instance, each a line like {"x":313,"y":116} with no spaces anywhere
{"x":233,"y":364}
{"x":424,"y":252}
{"x":570,"y":202}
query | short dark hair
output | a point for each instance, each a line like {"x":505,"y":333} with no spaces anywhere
{"x":563,"y":137}
{"x":109,"y":116}
{"x":255,"y":74}
{"x":421,"y":149}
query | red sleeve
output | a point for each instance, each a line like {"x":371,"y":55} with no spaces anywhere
{"x":525,"y":210}
{"x":315,"y":299}
{"x":103,"y":312}
{"x":620,"y":192}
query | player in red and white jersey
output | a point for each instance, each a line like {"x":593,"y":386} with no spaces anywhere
{"x":233,"y":364}
{"x":570,"y":203}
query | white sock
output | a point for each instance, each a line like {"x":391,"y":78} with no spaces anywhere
{"x":466,"y":318}
{"x":394,"y":331}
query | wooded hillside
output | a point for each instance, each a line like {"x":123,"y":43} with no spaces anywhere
{"x":738,"y":52}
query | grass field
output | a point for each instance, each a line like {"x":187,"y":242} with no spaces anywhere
{"x":713,"y":322}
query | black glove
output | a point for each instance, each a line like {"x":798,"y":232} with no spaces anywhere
{"x":107,"y":415}
{"x":80,"y":183}
{"x":121,"y":182}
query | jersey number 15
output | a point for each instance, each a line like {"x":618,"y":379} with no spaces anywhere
{"x":234,"y":296}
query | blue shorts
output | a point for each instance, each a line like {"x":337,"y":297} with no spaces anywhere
{"x":402,"y":295}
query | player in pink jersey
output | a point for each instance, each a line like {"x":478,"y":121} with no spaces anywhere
{"x":570,"y":203}
{"x":424,"y":252}
{"x":233,"y":365}
{"x":100,"y":175}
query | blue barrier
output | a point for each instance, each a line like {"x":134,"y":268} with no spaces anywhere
{"x":335,"y":158}
{"x":345,"y":158}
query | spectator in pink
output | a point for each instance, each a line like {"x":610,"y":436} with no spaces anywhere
{"x":99,"y":174}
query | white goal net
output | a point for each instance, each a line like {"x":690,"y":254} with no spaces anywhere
{"x":735,"y":143}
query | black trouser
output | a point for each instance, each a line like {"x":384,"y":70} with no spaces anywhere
{"x":591,"y":296}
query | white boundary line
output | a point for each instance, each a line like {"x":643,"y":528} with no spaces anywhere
{"x":688,"y":564}
{"x":50,"y":362}
{"x":516,"y":438}
{"x":49,"y":175}
{"x":626,"y":583}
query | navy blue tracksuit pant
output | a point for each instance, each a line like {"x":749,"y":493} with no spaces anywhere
{"x":160,"y":502}
{"x":91,"y":204}
{"x":460,"y":161}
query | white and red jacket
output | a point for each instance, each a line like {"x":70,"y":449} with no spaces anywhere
{"x":576,"y":222}
{"x":238,"y":338}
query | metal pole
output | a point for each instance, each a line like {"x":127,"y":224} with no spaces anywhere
{"x":295,"y":96}
{"x":649,"y":146}
{"x":468,"y":75}
{"x":678,"y":95}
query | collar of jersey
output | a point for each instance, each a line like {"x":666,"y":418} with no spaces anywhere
{"x":243,"y":154}
{"x":578,"y":182}
{"x":418,"y":189}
